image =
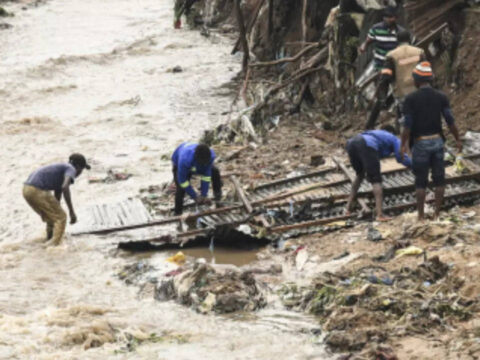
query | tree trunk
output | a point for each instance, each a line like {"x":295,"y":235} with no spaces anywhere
{"x":243,"y":36}
{"x":270,"y":19}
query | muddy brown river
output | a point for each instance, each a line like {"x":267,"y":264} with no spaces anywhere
{"x":93,"y":76}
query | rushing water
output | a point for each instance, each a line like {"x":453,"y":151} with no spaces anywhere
{"x":93,"y":76}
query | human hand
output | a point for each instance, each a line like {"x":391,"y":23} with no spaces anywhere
{"x":362,"y":48}
{"x":459,"y":147}
{"x":73,"y":218}
{"x":201,"y":200}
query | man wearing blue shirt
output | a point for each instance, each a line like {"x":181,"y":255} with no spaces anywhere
{"x":195,"y":159}
{"x":57,"y":178}
{"x":365,"y":151}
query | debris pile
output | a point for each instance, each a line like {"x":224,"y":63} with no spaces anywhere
{"x":303,"y":57}
{"x":132,"y":273}
{"x":370,"y":305}
{"x":207,"y":288}
{"x":425,"y":286}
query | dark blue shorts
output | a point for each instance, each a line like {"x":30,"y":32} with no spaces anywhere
{"x":426,"y":155}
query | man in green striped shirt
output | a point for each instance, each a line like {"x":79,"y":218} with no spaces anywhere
{"x":384,"y":37}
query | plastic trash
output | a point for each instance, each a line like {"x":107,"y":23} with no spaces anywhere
{"x":411,"y":250}
{"x":376,"y":280}
{"x":178,"y":258}
{"x":459,"y":164}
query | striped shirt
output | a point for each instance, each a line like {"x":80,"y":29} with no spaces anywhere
{"x":385,"y":39}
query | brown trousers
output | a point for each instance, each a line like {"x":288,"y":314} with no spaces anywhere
{"x":49,"y":209}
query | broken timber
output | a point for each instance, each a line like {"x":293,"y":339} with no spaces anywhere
{"x":241,"y":194}
{"x":330,"y":186}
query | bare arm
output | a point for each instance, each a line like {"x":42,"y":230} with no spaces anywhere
{"x":405,"y":141}
{"x":365,"y":44}
{"x":450,"y":120}
{"x":454,"y":130}
{"x":66,"y":194}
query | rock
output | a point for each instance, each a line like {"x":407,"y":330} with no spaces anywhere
{"x":317,"y":160}
{"x":374,"y":235}
{"x":175,"y":69}
{"x":327,"y":125}
{"x":342,"y":341}
{"x":4,"y":13}
{"x":227,"y":28}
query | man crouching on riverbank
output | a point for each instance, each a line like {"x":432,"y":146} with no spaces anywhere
{"x":365,"y":151}
{"x":195,"y":159}
{"x":57,"y":178}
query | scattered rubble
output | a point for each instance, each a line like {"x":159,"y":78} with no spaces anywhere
{"x":357,"y":308}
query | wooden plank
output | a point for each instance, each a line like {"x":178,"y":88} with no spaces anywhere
{"x":241,"y":194}
{"x":284,"y":228}
{"x":295,"y":178}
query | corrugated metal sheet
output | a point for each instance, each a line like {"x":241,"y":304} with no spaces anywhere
{"x":101,"y":216}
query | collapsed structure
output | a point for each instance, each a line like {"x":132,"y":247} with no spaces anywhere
{"x":306,"y":47}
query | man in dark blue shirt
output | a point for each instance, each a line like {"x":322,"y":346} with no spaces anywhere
{"x":190,"y":159}
{"x":57,"y":178}
{"x":365,"y":151}
{"x":423,"y":110}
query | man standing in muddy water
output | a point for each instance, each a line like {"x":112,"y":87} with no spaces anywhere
{"x":189,"y":159}
{"x":365,"y":151}
{"x":57,"y":178}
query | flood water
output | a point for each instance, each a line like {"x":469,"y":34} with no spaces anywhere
{"x":93,"y":76}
